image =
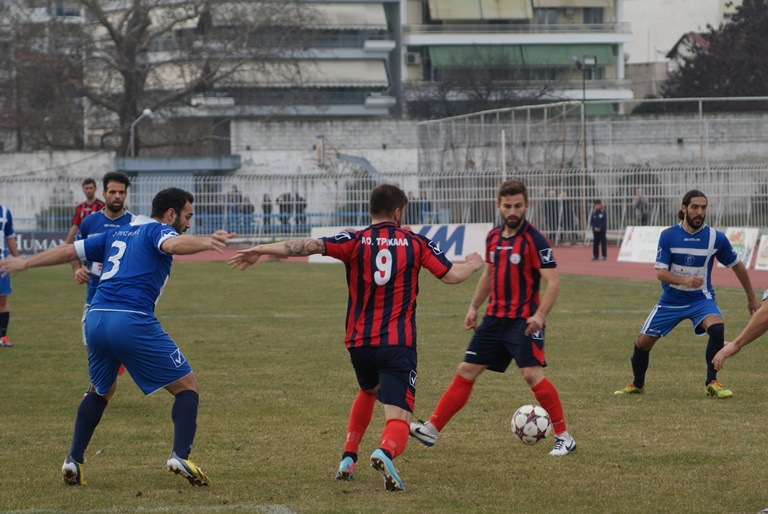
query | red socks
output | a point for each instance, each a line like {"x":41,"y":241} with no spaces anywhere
{"x":359,"y":419}
{"x":547,"y":396}
{"x":395,"y":436}
{"x":453,"y":400}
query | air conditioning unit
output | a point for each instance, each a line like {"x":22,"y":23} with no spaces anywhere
{"x":412,"y":58}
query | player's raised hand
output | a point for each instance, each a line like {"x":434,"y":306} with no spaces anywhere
{"x":245,"y":258}
{"x":11,"y":266}
{"x":475,"y":261}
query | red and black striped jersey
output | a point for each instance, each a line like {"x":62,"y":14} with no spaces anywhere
{"x":383,"y":263}
{"x":83,"y":209}
{"x":515,"y":263}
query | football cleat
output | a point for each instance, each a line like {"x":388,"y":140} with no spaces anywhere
{"x":72,"y":471}
{"x":629,"y":389}
{"x":346,"y":469}
{"x":564,"y":444}
{"x":425,"y":433}
{"x":718,"y":390}
{"x":187,"y":469}
{"x":4,"y":342}
{"x":383,"y":464}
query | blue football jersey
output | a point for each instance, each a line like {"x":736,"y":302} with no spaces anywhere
{"x":134,"y":269}
{"x":687,"y":255}
{"x":93,"y":225}
{"x":6,"y":230}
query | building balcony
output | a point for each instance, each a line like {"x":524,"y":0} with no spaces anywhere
{"x":517,"y":33}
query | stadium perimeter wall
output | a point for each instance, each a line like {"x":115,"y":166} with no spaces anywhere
{"x":289,"y":147}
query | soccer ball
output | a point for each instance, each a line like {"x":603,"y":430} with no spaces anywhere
{"x":531,"y":424}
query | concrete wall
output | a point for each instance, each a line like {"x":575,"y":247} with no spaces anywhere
{"x":268,"y":148}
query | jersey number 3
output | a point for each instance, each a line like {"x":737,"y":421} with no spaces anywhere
{"x":114,"y":260}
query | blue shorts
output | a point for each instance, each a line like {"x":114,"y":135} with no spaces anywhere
{"x":139,"y":342}
{"x":392,"y":368}
{"x":665,"y":316}
{"x":5,"y":285}
{"x":499,"y":340}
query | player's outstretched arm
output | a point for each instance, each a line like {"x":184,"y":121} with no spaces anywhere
{"x":50,"y":257}
{"x":741,"y":273}
{"x":187,"y":245}
{"x":463,"y":270}
{"x":244,"y":259}
{"x":757,"y":326}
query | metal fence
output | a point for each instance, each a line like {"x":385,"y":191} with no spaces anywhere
{"x":268,"y":207}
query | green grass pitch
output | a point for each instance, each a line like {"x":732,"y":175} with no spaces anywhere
{"x":276,"y":388}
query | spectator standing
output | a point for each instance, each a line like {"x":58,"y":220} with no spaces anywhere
{"x":567,"y":219}
{"x":300,"y":204}
{"x":552,"y":216}
{"x":426,"y":209}
{"x":83,"y":209}
{"x":640,"y":203}
{"x":599,"y":224}
{"x":7,"y":247}
{"x":285,"y":209}
{"x":266,"y":211}
{"x":383,"y":263}
{"x":411,"y":210}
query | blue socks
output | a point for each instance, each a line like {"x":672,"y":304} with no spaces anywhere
{"x":88,"y":416}
{"x":715,"y":344}
{"x":184,"y":416}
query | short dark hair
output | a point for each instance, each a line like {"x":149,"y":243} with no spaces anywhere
{"x":511,"y":188}
{"x":385,"y":198}
{"x":116,"y":176}
{"x":597,"y":201}
{"x":690,"y":195}
{"x":171,"y":198}
{"x":88,"y":181}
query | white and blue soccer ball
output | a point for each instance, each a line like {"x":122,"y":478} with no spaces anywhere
{"x":531,"y":424}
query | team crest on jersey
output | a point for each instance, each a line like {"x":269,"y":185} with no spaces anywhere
{"x":546,"y":256}
{"x":412,"y":378}
{"x":514,"y":258}
{"x":178,"y":358}
{"x":689,"y":260}
{"x":341,"y":236}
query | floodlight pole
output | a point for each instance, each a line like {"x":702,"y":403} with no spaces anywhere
{"x":144,"y":114}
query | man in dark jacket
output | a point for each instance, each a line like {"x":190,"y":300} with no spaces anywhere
{"x":599,"y":224}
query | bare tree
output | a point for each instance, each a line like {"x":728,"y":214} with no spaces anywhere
{"x":104,"y":62}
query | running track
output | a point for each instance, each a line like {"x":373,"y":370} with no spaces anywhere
{"x":576,"y":260}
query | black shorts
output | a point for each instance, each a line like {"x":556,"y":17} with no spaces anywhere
{"x":392,"y":368}
{"x":499,"y":340}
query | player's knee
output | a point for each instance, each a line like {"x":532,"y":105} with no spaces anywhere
{"x":717,"y":331}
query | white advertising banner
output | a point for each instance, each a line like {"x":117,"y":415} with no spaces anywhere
{"x":743,"y":240}
{"x":761,"y":261}
{"x":456,"y":240}
{"x":640,"y":244}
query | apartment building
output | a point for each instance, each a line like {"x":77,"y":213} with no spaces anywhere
{"x":361,"y":59}
{"x":554,"y":49}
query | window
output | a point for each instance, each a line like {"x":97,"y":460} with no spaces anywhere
{"x":593,"y":15}
{"x":546,"y":16}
